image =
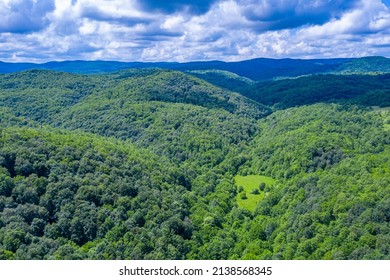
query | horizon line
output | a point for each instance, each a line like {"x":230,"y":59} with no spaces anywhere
{"x":190,"y":61}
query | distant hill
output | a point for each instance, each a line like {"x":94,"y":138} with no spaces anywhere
{"x":366,"y":65}
{"x":255,"y":69}
{"x":367,"y":90}
{"x":224,"y":79}
{"x":160,"y":108}
{"x":50,"y":90}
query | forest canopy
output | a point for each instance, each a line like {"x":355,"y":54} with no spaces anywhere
{"x":162,"y":164}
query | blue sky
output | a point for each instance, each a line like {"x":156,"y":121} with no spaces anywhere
{"x":187,"y":30}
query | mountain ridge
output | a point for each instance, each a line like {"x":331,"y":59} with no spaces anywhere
{"x":256,"y":69}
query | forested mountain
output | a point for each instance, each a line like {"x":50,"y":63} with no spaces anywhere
{"x":373,"y":65}
{"x":160,"y":164}
{"x":223,"y":79}
{"x":255,"y":69}
{"x":366,"y":90}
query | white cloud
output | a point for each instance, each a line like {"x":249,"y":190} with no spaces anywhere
{"x":371,"y":17}
{"x":229,"y":30}
{"x":22,"y":16}
{"x":225,"y":33}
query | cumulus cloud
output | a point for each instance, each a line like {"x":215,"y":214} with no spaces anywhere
{"x":370,"y":17}
{"x":23,"y":16}
{"x":227,"y":32}
{"x":192,"y":30}
{"x":276,"y":15}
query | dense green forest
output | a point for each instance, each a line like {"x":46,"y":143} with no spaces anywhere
{"x":365,"y":90}
{"x":161,"y":164}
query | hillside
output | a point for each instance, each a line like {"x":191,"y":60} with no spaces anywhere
{"x":331,"y":196}
{"x":223,"y":79}
{"x":366,"y":65}
{"x":172,"y":113}
{"x":65,"y":90}
{"x":160,"y":164}
{"x":62,"y":191}
{"x":366,"y":90}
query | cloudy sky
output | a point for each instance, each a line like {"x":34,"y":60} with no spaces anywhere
{"x":187,"y":30}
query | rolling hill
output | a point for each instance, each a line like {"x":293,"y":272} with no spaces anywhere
{"x":366,"y":90}
{"x":255,"y":69}
{"x":165,"y":164}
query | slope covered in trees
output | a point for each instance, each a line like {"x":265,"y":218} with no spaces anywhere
{"x":223,"y":79}
{"x":332,"y":166}
{"x":76,"y":196}
{"x":366,"y":90}
{"x":171,"y":113}
{"x":143,"y":164}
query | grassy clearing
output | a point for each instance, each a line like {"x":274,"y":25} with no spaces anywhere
{"x":249,"y":183}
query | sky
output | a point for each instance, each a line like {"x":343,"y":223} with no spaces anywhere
{"x":189,"y":30}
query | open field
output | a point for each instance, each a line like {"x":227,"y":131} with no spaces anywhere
{"x":249,"y":183}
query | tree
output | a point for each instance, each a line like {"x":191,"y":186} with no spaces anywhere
{"x":262,"y":186}
{"x":255,"y":191}
{"x":243,"y":195}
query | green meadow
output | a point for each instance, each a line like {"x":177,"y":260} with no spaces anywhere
{"x":249,"y":183}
